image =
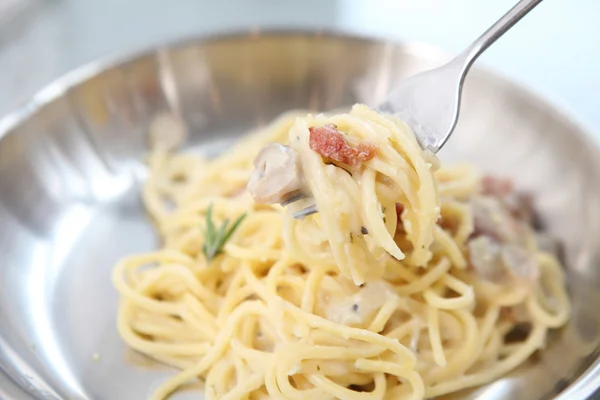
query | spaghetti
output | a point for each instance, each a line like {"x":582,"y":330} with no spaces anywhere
{"x":411,"y":282}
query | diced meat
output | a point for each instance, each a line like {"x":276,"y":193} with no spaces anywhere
{"x":277,"y":174}
{"x":366,"y":151}
{"x":492,"y":218}
{"x":520,"y":205}
{"x":498,"y":248}
{"x":496,"y":187}
{"x":330,"y":143}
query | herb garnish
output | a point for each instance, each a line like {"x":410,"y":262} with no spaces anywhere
{"x":215,"y":238}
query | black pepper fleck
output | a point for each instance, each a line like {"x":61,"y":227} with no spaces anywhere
{"x":355,"y":307}
{"x":364,"y":230}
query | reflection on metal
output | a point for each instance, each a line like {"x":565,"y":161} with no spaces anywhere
{"x":71,"y":162}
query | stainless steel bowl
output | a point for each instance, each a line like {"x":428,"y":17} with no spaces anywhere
{"x":71,"y":166}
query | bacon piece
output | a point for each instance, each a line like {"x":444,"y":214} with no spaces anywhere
{"x":330,"y":143}
{"x":496,"y":187}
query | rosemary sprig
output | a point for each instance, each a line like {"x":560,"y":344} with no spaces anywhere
{"x":215,"y":238}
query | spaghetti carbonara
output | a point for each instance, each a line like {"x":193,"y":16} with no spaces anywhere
{"x":411,"y":281}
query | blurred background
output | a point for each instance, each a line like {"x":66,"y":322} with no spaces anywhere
{"x":554,"y":50}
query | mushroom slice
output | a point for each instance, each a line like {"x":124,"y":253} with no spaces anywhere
{"x":484,"y":254}
{"x":277,"y":174}
{"x":520,"y":263}
{"x":503,"y":263}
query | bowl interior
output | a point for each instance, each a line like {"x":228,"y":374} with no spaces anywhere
{"x":72,"y":163}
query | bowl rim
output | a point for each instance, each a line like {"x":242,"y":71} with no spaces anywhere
{"x":583,"y":386}
{"x":66,"y":81}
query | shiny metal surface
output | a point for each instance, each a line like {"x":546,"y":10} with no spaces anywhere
{"x":429,"y":102}
{"x":71,"y":164}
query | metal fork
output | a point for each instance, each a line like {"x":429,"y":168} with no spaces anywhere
{"x":429,"y":102}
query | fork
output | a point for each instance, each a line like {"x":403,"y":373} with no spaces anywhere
{"x":429,"y":102}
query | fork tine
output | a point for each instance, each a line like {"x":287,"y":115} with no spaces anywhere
{"x":293,"y":199}
{"x":305,"y":211}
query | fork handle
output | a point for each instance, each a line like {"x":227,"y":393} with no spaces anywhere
{"x":513,"y":16}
